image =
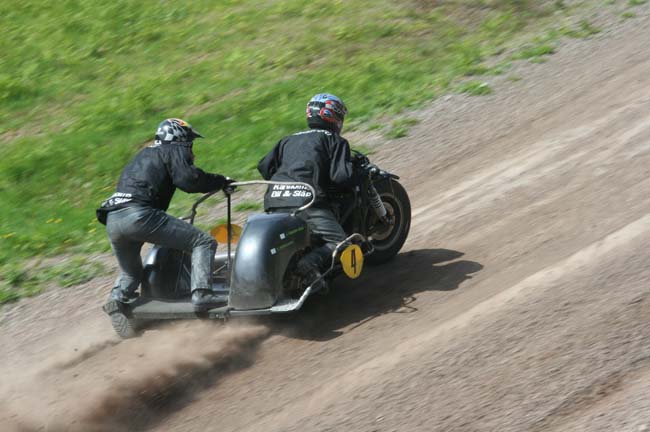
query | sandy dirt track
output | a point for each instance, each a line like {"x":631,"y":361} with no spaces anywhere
{"x":519,"y":303}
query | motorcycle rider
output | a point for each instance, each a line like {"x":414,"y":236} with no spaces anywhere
{"x":136,"y":212}
{"x":319,"y":156}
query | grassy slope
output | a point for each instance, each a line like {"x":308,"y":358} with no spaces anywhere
{"x":83,"y":84}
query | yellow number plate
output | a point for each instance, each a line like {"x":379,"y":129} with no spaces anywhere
{"x":352,"y":261}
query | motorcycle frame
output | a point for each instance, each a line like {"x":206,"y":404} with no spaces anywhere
{"x":121,"y":313}
{"x":358,"y":212}
{"x":360,"y":199}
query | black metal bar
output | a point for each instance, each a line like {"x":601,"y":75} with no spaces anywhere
{"x":196,"y":204}
{"x":229,"y":234}
{"x":250,"y":312}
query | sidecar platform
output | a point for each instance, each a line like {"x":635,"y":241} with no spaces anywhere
{"x":169,"y":309}
{"x":150,"y":309}
{"x":146,"y":309}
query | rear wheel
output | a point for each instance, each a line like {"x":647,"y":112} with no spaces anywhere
{"x":388,"y":239}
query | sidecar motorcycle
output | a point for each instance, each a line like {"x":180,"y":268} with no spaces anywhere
{"x":258,"y":276}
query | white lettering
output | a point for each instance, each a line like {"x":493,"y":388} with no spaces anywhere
{"x":326,"y":132}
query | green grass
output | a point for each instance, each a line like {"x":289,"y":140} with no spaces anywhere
{"x":368,"y":151}
{"x":534,"y":51}
{"x":474,"y":88}
{"x":545,"y":44}
{"x":630,"y":14}
{"x":83,"y":85}
{"x":399,"y":128}
{"x":247,"y":206}
{"x":19,"y":280}
{"x":583,"y":30}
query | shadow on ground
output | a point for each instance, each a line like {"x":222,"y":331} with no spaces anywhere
{"x":390,"y":288}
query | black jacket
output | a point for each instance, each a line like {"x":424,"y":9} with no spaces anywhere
{"x":153,"y":175}
{"x":317,"y":157}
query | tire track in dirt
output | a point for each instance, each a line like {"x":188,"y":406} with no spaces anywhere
{"x":596,"y":393}
{"x":567,"y":197}
{"x":549,"y":157}
{"x":130,"y":385}
{"x":545,"y":194}
{"x":348,"y":385}
{"x":94,"y":349}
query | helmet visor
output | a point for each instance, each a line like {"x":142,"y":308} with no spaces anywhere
{"x":195,"y":133}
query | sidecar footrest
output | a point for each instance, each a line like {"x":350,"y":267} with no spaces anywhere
{"x":290,"y":305}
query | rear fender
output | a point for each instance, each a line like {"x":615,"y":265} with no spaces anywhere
{"x":266,"y":247}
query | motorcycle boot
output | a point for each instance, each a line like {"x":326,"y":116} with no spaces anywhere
{"x":203,"y":298}
{"x":312,"y":262}
{"x":121,"y":296}
{"x":313,"y":265}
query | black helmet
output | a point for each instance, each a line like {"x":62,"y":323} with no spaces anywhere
{"x":326,"y":111}
{"x":175,"y":130}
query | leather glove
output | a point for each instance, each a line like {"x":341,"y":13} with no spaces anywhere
{"x":371,"y":168}
{"x":227,"y":184}
{"x":359,"y":159}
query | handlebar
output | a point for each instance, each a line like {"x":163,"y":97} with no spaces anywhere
{"x":362,"y":162}
{"x":359,"y":159}
{"x":192,"y":214}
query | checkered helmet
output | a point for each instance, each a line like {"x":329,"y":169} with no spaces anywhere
{"x":175,"y":130}
{"x":326,"y":111}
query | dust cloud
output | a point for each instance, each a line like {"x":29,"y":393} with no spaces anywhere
{"x":127,"y":385}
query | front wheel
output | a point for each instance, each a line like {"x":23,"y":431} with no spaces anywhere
{"x":388,"y":239}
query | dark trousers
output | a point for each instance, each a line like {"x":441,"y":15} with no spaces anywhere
{"x":323,"y":225}
{"x":129,"y":228}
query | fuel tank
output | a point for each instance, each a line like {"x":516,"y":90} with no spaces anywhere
{"x":265,"y":249}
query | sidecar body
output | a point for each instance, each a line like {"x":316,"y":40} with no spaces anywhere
{"x":256,"y":278}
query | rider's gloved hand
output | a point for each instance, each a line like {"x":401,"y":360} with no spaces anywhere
{"x":359,"y":159}
{"x":227,"y":184}
{"x":371,"y":168}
